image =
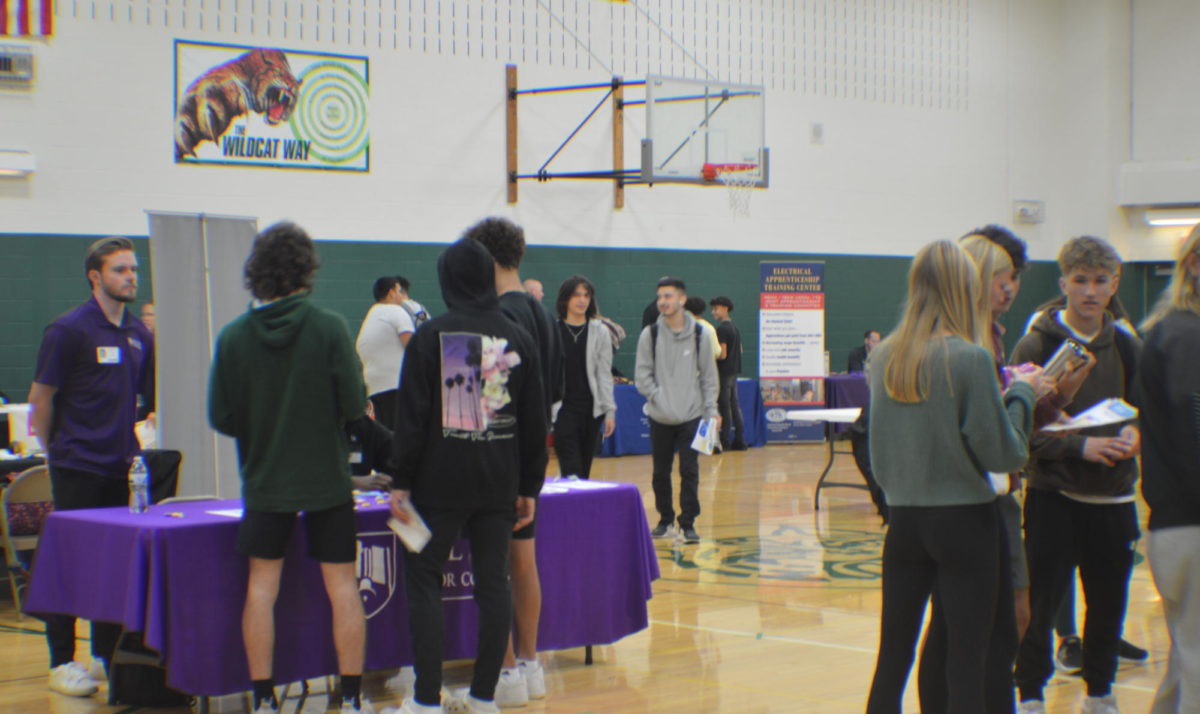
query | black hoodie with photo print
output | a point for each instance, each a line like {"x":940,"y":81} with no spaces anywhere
{"x":470,"y":430}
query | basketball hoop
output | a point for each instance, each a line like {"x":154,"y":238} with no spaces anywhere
{"x":738,"y":179}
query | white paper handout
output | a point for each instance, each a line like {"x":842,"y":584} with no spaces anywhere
{"x":1109,"y":411}
{"x":414,"y":534}
{"x":705,"y":440}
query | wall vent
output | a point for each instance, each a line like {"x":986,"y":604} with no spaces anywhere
{"x":16,"y":64}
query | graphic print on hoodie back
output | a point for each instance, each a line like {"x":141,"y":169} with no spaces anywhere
{"x":475,"y":371}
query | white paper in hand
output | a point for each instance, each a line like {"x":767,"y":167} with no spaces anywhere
{"x":705,"y":440}
{"x":414,"y":534}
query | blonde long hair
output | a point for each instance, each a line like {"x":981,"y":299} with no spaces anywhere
{"x":1182,"y":293}
{"x":990,"y":260}
{"x":943,"y":295}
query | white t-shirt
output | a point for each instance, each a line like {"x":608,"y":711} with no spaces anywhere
{"x":379,"y":346}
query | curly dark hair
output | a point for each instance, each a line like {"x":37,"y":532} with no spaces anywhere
{"x":568,"y":289}
{"x":504,"y":239}
{"x":282,"y":261}
{"x":1003,"y":237}
{"x":384,"y":285}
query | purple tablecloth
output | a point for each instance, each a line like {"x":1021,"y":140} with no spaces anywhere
{"x":846,"y":390}
{"x":180,"y":581}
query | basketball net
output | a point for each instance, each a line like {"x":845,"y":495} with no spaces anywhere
{"x":739,"y":182}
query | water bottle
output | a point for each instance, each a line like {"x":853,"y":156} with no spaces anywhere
{"x":139,"y":486}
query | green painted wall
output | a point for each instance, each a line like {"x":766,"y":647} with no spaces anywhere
{"x":42,"y":276}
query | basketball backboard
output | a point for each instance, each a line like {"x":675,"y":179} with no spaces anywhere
{"x":698,"y":130}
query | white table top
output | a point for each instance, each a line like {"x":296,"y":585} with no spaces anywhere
{"x":848,"y":415}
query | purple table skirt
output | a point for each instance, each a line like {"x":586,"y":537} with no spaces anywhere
{"x":180,"y":581}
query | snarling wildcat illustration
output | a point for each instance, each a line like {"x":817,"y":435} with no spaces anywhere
{"x":259,"y":81}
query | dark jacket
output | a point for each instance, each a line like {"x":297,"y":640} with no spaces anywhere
{"x":1057,"y":462}
{"x":285,"y":380}
{"x":525,"y":310}
{"x":470,"y":428}
{"x":1168,"y":395}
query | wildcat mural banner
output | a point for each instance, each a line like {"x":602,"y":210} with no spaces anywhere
{"x":264,"y":106}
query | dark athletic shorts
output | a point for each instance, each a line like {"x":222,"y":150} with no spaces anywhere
{"x":331,"y":534}
{"x":527,"y":532}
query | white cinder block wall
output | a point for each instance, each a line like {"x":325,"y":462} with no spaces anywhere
{"x":937,"y":114}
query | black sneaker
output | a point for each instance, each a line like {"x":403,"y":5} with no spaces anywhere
{"x":739,"y":446}
{"x":1131,"y":653}
{"x":1069,"y":657}
{"x":690,"y":535}
{"x":662,"y":530}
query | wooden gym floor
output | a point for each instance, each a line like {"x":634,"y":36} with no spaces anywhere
{"x":776,"y":610}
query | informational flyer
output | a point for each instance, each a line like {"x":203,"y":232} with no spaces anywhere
{"x":791,"y":362}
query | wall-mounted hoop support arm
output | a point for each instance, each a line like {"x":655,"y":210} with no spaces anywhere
{"x":619,"y":175}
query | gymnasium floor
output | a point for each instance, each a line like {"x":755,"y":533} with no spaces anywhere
{"x":776,"y":610}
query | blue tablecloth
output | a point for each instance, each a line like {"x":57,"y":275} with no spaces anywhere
{"x":632,"y":435}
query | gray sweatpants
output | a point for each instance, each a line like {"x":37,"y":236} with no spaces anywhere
{"x":1175,"y":564}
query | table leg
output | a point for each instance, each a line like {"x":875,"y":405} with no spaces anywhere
{"x":828,"y":466}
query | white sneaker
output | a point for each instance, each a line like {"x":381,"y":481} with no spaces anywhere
{"x":1101,"y":705}
{"x":410,"y":706}
{"x":364,"y":707}
{"x":1031,"y":706}
{"x":72,"y":679}
{"x":98,"y":670}
{"x":266,"y":708}
{"x":534,"y":676}
{"x":402,"y":681}
{"x":464,"y":703}
{"x":511,"y":689}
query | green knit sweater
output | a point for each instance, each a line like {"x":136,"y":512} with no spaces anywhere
{"x":285,"y":380}
{"x":938,"y":452}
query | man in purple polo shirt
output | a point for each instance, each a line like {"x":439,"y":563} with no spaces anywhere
{"x":93,"y":363}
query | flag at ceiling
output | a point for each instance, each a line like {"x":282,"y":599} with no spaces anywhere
{"x":26,"y":18}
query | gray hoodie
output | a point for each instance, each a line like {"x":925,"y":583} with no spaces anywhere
{"x":677,"y":384}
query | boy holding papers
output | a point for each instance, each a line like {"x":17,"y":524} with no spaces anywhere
{"x":1080,"y":506}
{"x":470,"y":456}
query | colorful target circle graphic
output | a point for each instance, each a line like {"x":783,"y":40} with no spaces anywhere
{"x":331,"y":112}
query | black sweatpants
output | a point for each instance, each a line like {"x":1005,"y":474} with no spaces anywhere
{"x":1060,"y":533}
{"x":955,"y":552}
{"x":998,"y":693}
{"x":731,"y":412}
{"x":77,"y":490}
{"x":490,"y":533}
{"x":576,"y":432}
{"x":665,"y":440}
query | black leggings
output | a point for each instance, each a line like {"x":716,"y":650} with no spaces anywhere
{"x":1001,"y":652}
{"x":955,"y":552}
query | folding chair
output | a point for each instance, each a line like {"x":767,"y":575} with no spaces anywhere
{"x":26,"y":503}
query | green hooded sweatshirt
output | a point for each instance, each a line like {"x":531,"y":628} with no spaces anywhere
{"x":285,"y":380}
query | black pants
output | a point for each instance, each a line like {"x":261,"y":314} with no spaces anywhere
{"x":75,"y":490}
{"x":932,"y":680}
{"x":490,"y":533}
{"x":731,"y":412}
{"x":385,"y":408}
{"x":665,"y":440}
{"x":576,"y":432}
{"x":1060,"y":533}
{"x":953,"y":551}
